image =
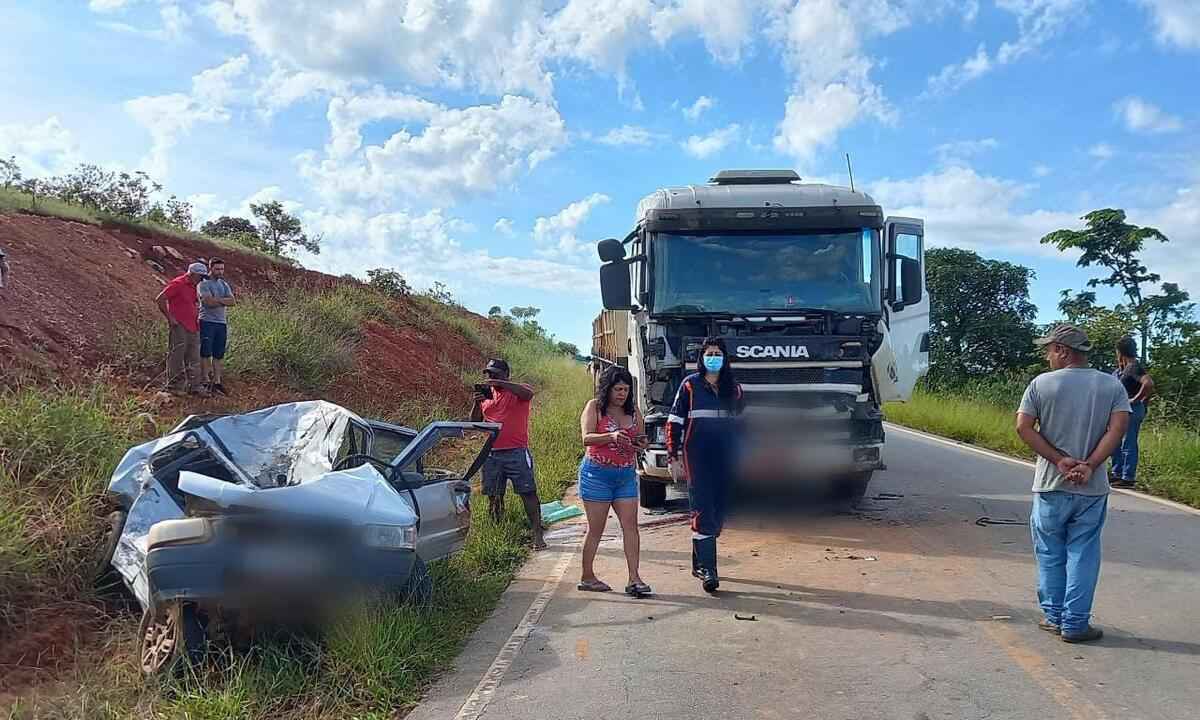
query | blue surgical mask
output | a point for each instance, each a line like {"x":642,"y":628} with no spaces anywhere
{"x":713,"y":363}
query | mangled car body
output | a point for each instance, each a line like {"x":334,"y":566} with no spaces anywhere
{"x":281,"y":508}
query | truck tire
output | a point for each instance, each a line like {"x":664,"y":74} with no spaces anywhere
{"x":653,"y":494}
{"x":851,"y":490}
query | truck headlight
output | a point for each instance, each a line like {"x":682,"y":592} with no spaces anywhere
{"x":659,"y":434}
{"x":391,"y":537}
{"x":179,"y":532}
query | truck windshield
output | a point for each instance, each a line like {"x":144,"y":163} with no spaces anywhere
{"x":741,"y":273}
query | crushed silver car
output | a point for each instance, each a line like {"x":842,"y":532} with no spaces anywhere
{"x":277,"y":512}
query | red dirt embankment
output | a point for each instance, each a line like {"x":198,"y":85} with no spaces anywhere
{"x":74,"y":285}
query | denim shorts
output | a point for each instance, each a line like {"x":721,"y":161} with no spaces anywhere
{"x":213,"y":337}
{"x":602,"y":483}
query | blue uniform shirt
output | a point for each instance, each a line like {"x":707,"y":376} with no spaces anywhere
{"x":699,"y":418}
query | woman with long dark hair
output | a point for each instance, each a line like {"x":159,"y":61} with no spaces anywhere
{"x":1139,"y":386}
{"x":613,"y":432}
{"x":701,"y":443}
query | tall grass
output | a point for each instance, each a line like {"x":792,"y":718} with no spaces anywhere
{"x":1169,"y":462}
{"x":372,"y":664}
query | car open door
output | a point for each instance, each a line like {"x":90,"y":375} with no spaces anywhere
{"x":436,"y":468}
{"x":904,"y":357}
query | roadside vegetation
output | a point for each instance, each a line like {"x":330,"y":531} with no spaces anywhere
{"x":982,"y":353}
{"x":58,"y":446}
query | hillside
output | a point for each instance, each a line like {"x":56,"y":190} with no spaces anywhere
{"x":82,"y":349}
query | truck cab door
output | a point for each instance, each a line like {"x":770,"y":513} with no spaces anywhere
{"x":904,"y":357}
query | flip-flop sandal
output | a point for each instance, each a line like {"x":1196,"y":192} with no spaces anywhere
{"x":593,"y":586}
{"x":638,"y":590}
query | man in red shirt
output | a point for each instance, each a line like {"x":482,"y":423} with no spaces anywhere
{"x":510,"y":460}
{"x":180,"y":305}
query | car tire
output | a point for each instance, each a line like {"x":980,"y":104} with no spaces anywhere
{"x":853,"y":488}
{"x":653,"y":495}
{"x":171,"y":638}
{"x":106,"y":580}
{"x":418,"y":590}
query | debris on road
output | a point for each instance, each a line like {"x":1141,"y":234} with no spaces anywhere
{"x":986,"y":521}
{"x":748,"y":618}
{"x":553,"y":512}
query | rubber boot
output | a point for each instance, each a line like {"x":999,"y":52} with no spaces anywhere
{"x":706,"y":556}
{"x":695,"y":561}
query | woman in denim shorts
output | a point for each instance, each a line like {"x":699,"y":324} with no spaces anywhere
{"x":612,"y":434}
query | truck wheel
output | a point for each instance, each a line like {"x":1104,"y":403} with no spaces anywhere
{"x":171,"y":638}
{"x":653,"y":494}
{"x":851,"y":490}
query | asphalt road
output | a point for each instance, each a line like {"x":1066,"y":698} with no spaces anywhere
{"x":906,"y":609}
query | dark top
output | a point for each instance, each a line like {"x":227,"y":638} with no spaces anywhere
{"x":1131,"y":377}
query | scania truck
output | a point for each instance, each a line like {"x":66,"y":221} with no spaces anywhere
{"x":819,"y":297}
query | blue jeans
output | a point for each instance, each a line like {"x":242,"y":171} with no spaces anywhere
{"x":1066,"y":531}
{"x":1125,"y":459}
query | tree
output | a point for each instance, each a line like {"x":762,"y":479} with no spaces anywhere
{"x":1109,"y":241}
{"x":981,"y":318}
{"x":526,"y":314}
{"x":280,"y":230}
{"x":225,"y":226}
{"x":389,"y":282}
{"x":1104,"y":326}
{"x":34,"y":188}
{"x":128,"y":195}
{"x":495,"y":311}
{"x":10,"y":172}
{"x":248,"y":240}
{"x":567,"y":348}
{"x":441,"y":293}
{"x":176,"y":213}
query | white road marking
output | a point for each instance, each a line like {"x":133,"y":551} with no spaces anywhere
{"x":1028,"y":465}
{"x":478,"y":700}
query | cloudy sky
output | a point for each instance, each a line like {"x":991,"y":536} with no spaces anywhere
{"x":488,"y":143}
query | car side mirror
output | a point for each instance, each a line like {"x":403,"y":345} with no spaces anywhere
{"x":614,"y":285}
{"x":610,"y":250}
{"x":910,"y":281}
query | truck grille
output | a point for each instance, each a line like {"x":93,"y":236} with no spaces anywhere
{"x":766,"y":376}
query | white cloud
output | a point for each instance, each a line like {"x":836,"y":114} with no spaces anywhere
{"x":725,"y":25}
{"x":555,"y":236}
{"x":823,"y":49}
{"x":628,"y":135}
{"x":697,"y":108}
{"x":424,"y":249}
{"x":703,"y":146}
{"x":1042,"y":171}
{"x":1102,"y":152}
{"x":1038,"y":22}
{"x":961,"y":150}
{"x":962,"y":208}
{"x":1143,"y":117}
{"x":504,"y":226}
{"x":170,"y":117}
{"x":454,"y":152}
{"x":1176,"y":22}
{"x":174,"y":20}
{"x":45,"y":148}
{"x":104,"y":6}
{"x":284,"y":87}
{"x":1179,"y":260}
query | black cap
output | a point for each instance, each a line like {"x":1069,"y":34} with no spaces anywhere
{"x":497,"y":365}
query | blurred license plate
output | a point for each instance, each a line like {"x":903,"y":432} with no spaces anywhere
{"x":283,"y":561}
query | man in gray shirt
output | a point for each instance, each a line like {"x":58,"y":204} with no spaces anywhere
{"x":1074,"y":418}
{"x":215,"y":297}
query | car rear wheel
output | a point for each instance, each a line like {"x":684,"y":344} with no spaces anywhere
{"x":653,"y":494}
{"x":171,"y":638}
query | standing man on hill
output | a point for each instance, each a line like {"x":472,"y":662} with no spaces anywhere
{"x":1073,"y":417}
{"x":215,"y":296}
{"x":510,"y":459}
{"x":179,"y":304}
{"x":5,"y":271}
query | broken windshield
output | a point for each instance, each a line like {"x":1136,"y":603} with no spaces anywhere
{"x":742,"y":273}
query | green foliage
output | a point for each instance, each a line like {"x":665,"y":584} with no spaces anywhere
{"x":981,"y":318}
{"x":495,"y":311}
{"x":226,"y":226}
{"x":389,"y":282}
{"x":440,"y":293}
{"x":525,"y":313}
{"x":10,"y":172}
{"x":282,"y":231}
{"x":567,"y":348}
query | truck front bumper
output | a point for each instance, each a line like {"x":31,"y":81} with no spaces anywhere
{"x":790,"y":461}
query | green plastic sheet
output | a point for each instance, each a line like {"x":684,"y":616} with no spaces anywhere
{"x":552,"y":512}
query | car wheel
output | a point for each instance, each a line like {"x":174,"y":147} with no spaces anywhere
{"x":418,"y":590}
{"x":172,"y":637}
{"x":652,"y":494}
{"x":105,"y":578}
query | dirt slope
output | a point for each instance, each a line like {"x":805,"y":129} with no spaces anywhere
{"x":75,"y":284}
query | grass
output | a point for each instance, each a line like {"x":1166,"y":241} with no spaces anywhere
{"x":1169,"y":462}
{"x":304,"y":340}
{"x":13,"y":200}
{"x":370,"y":665}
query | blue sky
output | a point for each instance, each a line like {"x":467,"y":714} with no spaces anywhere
{"x":488,"y":144}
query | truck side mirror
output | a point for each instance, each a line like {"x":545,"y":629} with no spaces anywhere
{"x":614,"y":285}
{"x":910,"y":281}
{"x":610,"y":250}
